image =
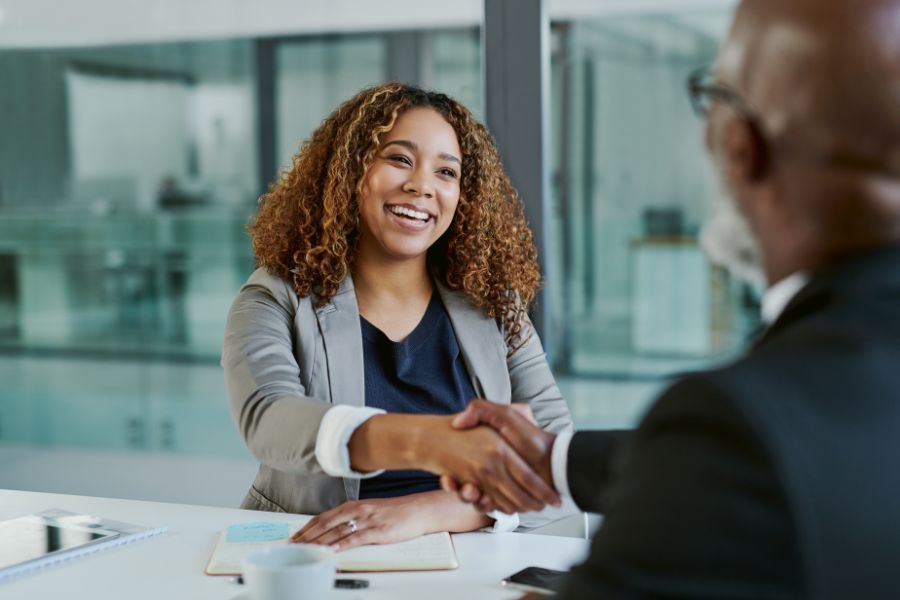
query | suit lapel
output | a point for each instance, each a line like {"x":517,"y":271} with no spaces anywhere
{"x":873,"y":273}
{"x":482,"y":347}
{"x":809,"y":300}
{"x":342,"y":335}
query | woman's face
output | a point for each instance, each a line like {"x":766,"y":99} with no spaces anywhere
{"x":410,"y":192}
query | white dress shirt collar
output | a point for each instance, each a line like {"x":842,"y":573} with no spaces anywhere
{"x":778,"y":296}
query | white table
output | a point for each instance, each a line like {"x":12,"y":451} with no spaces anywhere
{"x":170,"y":567}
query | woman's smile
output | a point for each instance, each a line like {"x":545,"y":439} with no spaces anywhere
{"x":410,"y":217}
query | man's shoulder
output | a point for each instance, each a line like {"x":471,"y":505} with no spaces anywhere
{"x":697,"y":398}
{"x":733,"y":397}
{"x":814,"y":372}
{"x":820,"y":353}
{"x":796,"y":352}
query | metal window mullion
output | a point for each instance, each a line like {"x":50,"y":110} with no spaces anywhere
{"x":516,"y":46}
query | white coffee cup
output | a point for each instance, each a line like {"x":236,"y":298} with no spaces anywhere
{"x":301,"y":571}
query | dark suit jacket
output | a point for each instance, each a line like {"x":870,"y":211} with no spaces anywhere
{"x":775,"y":477}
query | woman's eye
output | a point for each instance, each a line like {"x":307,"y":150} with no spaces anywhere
{"x":448,"y":173}
{"x":399,"y":158}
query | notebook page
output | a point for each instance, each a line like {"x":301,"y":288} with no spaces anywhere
{"x":430,"y":552}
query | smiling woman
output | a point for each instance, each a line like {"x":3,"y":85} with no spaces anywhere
{"x":395,"y":272}
{"x":411,"y":190}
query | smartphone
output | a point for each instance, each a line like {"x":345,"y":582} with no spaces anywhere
{"x":535,"y":579}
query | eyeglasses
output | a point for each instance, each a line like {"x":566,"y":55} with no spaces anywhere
{"x":703,"y":89}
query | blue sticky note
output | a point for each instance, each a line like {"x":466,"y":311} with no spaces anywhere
{"x":260,"y":531}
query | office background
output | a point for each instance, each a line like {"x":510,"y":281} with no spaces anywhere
{"x":136,"y":137}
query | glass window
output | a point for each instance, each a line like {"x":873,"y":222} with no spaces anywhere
{"x":316,"y":75}
{"x":636,"y":300}
{"x":456,"y":67}
{"x":127,"y":175}
{"x":116,"y":217}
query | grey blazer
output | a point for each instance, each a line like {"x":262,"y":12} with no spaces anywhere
{"x":286,"y":363}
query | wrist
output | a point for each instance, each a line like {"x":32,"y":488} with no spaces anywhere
{"x":372,"y":446}
{"x":396,"y":441}
{"x":419,"y":449}
{"x":445,"y":512}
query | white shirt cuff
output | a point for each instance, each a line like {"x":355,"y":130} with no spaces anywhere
{"x":334,"y":435}
{"x":502,"y":522}
{"x":559,"y":461}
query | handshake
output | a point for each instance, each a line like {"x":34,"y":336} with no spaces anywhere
{"x":493,"y":456}
{"x":516,"y":474}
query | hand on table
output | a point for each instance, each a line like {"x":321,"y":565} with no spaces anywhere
{"x":516,"y":426}
{"x":374,"y":521}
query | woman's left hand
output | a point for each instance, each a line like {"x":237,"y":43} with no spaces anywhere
{"x":375,"y":521}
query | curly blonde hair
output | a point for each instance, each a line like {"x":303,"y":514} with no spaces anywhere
{"x":308,"y":223}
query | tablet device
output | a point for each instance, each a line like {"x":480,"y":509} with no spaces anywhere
{"x":35,"y":537}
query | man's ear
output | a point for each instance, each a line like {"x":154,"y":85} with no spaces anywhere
{"x":745,"y":152}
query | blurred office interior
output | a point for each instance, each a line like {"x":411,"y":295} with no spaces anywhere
{"x":136,"y":137}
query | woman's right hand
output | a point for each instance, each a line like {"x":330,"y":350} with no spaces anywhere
{"x":477,"y":455}
{"x":481,"y":456}
{"x":516,"y":425}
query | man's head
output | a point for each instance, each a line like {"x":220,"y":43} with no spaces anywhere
{"x":804,"y":127}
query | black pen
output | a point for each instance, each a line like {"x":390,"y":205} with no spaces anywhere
{"x":351,"y":584}
{"x":344,"y":584}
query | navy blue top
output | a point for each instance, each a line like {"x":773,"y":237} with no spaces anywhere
{"x":422,"y":374}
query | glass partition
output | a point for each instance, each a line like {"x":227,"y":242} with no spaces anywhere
{"x":128,"y":174}
{"x":131,"y":232}
{"x":314,"y":76}
{"x":636,"y":299}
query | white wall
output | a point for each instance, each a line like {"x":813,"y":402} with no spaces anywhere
{"x":107,"y":114}
{"x":51,"y":23}
{"x":222,"y":116}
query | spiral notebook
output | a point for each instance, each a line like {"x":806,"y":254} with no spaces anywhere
{"x":432,"y":552}
{"x":50,"y":537}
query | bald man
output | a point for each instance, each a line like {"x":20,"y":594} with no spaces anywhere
{"x":779,"y":475}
